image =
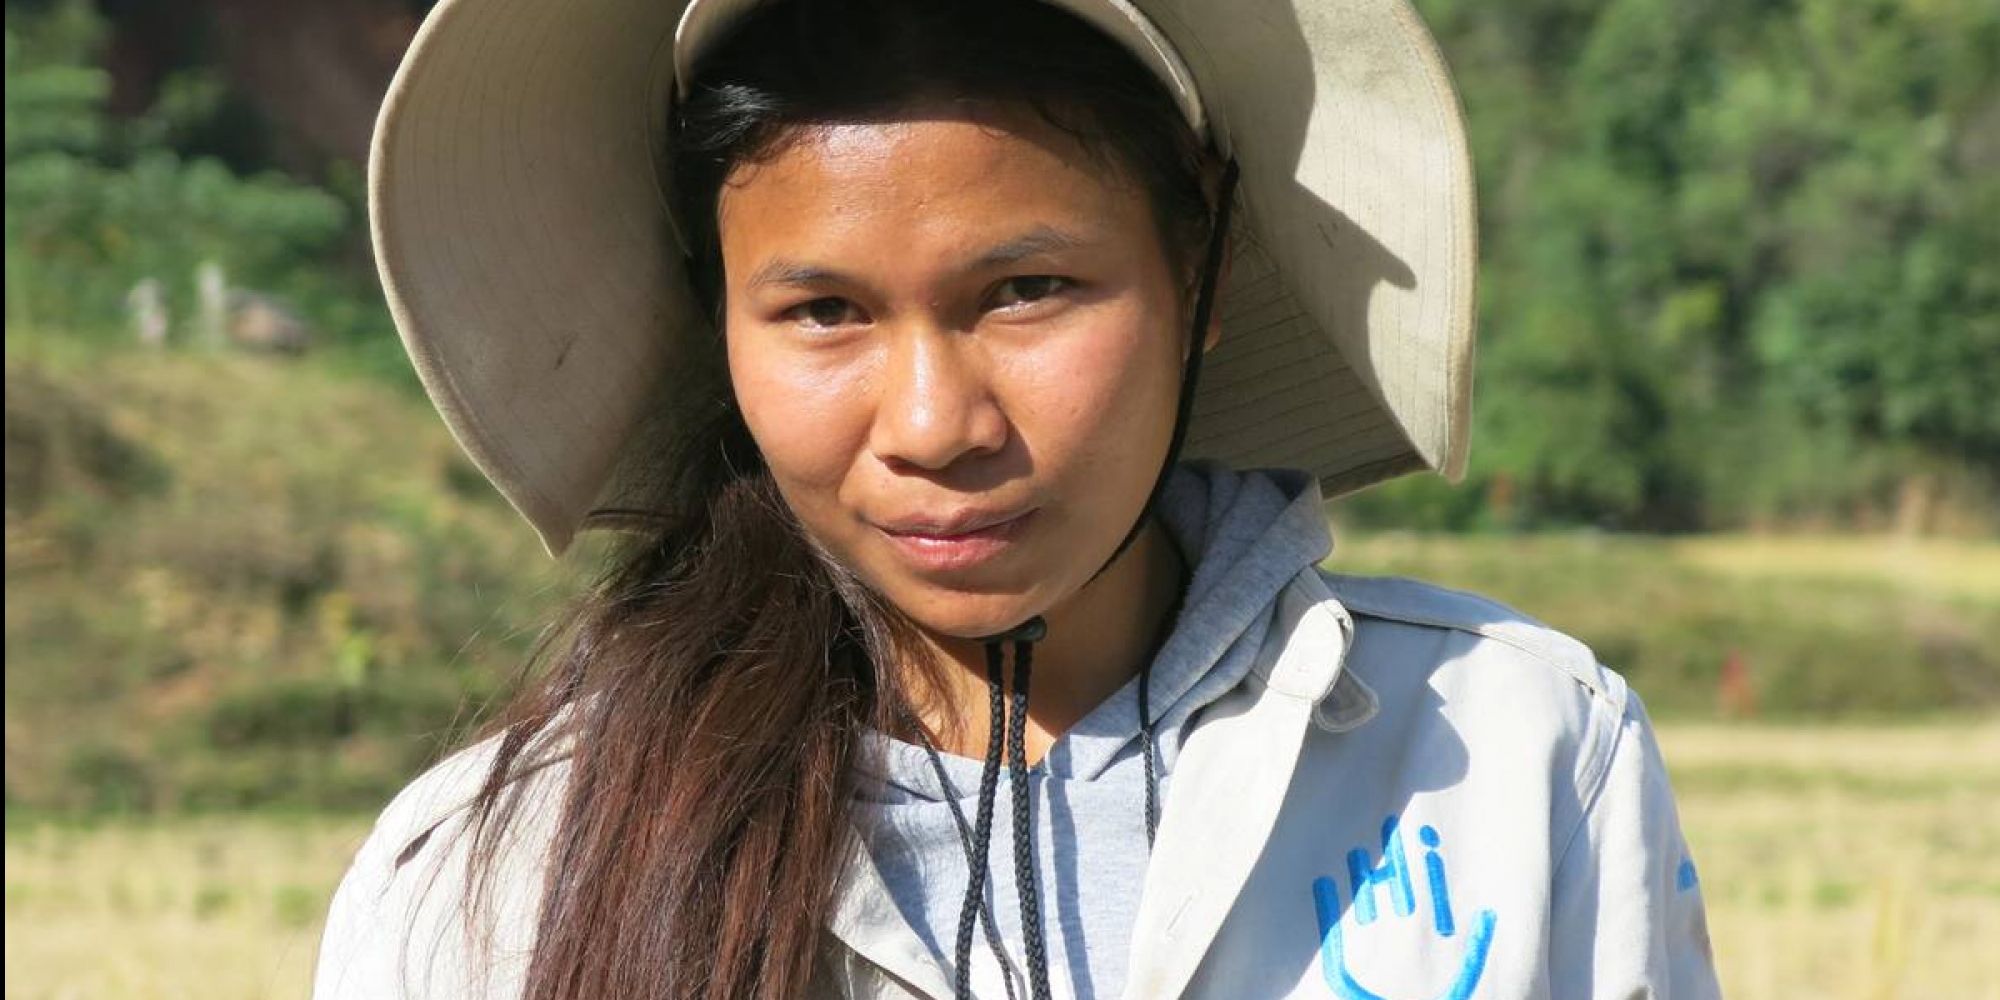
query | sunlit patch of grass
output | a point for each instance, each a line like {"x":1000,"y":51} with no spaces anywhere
{"x":1947,"y":568}
{"x":1860,"y":876}
{"x":217,"y":908}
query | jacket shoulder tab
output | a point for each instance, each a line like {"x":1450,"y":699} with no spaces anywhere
{"x":1414,"y":602}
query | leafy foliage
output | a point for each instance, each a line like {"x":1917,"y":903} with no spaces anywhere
{"x":1739,"y":257}
{"x":96,"y":204}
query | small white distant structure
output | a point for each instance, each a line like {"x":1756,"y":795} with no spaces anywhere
{"x":211,"y":290}
{"x":146,"y":305}
{"x":244,"y":318}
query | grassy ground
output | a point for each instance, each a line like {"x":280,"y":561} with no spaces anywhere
{"x":1847,"y":863}
{"x":215,"y":909}
{"x":1818,"y":627}
{"x":1839,"y":863}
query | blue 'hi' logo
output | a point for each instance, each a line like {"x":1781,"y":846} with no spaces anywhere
{"x":1364,"y":876}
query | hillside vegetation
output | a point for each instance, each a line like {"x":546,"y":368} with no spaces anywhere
{"x":234,"y":581}
{"x":241,"y":581}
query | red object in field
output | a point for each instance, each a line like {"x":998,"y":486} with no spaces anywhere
{"x":1734,"y":693}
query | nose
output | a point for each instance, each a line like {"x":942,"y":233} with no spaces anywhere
{"x":936,"y":404}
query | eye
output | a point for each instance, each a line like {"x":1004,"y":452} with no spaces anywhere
{"x":1026,"y":290}
{"x":827,"y":312}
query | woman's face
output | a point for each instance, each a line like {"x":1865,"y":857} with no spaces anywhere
{"x":957,"y":340}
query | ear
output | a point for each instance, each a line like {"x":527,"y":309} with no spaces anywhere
{"x":1213,"y":335}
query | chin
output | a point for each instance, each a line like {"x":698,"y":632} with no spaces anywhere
{"x":959,"y":615}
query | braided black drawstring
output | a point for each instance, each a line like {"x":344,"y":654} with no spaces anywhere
{"x":1014,"y":728}
{"x":1024,"y":832}
{"x":977,"y":841}
{"x":993,"y":942}
{"x":1014,"y":725}
{"x":982,"y":829}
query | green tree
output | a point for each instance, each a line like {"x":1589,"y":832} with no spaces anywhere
{"x":1739,"y":257}
{"x":95,"y":204}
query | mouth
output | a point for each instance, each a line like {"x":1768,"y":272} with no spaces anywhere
{"x":960,"y":541}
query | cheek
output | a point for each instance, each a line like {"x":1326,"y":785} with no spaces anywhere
{"x":1102,"y":403}
{"x":808,"y":419}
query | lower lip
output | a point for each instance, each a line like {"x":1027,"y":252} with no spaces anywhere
{"x":962,"y":551}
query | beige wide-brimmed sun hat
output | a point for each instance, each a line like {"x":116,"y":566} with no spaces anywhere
{"x":529,"y":262}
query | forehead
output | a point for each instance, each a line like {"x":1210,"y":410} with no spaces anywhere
{"x":935,"y":174}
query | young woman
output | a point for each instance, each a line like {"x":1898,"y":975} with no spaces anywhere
{"x":929,"y":668}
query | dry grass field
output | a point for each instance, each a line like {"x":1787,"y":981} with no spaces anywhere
{"x":1844,"y":863}
{"x":1847,"y":863}
{"x":209,"y":909}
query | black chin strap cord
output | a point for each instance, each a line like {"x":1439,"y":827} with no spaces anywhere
{"x":1204,"y":313}
{"x":1024,"y":831}
{"x":993,"y":942}
{"x":1008,"y":725}
{"x":1013,"y":719}
{"x":982,"y":828}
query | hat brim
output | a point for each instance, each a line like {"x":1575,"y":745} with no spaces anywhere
{"x":528,"y":261}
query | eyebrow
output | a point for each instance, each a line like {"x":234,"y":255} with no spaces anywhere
{"x":785,"y":272}
{"x":1035,"y":242}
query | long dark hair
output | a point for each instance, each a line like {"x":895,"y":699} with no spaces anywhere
{"x":712,"y":686}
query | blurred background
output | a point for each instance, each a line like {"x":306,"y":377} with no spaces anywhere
{"x":1738,"y":428}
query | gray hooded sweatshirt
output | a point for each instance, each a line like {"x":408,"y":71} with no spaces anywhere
{"x":1376,"y":789}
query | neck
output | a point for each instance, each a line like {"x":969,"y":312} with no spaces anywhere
{"x":1097,"y":640}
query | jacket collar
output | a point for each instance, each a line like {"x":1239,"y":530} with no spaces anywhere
{"x":865,"y":919}
{"x":1231,"y":782}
